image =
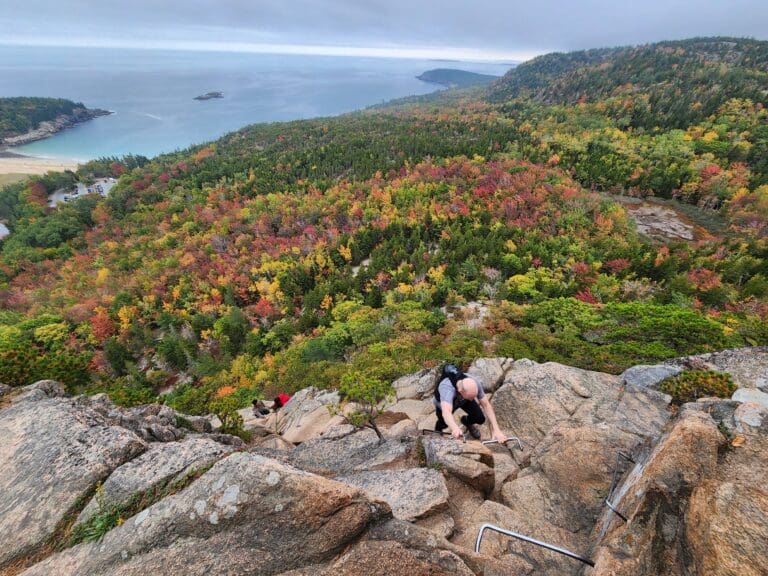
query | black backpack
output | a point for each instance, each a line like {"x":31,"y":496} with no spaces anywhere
{"x":453,"y":374}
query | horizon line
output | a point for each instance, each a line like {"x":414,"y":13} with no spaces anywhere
{"x":404,"y":52}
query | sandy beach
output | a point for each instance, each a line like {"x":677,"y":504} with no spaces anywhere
{"x":11,"y":163}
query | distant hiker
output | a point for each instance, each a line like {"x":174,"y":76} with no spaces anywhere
{"x":458,"y":390}
{"x":259,"y":409}
{"x":280,"y":401}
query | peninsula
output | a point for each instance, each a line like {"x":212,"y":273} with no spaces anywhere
{"x":451,"y":77}
{"x":24,"y":120}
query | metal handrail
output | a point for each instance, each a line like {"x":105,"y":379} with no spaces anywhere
{"x":530,"y":540}
{"x":619,"y":456}
{"x":509,"y":439}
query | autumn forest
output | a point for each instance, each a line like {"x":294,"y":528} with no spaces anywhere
{"x":485,"y":221}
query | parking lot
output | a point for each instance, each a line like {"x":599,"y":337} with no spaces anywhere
{"x":100,"y":186}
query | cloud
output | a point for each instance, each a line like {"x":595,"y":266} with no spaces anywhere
{"x":490,"y":28}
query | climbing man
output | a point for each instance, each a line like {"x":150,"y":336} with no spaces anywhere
{"x":458,"y":390}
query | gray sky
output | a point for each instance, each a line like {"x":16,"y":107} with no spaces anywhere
{"x":482,"y":29}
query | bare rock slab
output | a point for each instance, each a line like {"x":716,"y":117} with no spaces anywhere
{"x":384,"y":558}
{"x":247,"y":515}
{"x":162,"y":463}
{"x":53,"y":454}
{"x":535,"y":397}
{"x":346,"y":452}
{"x":412,"y":493}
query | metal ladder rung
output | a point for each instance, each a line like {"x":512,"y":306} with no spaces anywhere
{"x":552,"y":547}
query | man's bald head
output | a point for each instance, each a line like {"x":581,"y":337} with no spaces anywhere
{"x":467,"y":387}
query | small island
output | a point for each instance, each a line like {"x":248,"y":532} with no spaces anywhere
{"x":209,"y":96}
{"x":452,"y":78}
{"x":24,"y":120}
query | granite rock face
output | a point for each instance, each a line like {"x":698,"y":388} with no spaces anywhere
{"x":247,"y":515}
{"x":695,"y":505}
{"x":572,"y":423}
{"x":691,"y":481}
{"x":306,"y":415}
{"x":470,"y":462}
{"x":152,"y":422}
{"x":653,"y":497}
{"x":418,"y":386}
{"x":53,"y":453}
{"x":411,"y":493}
{"x":648,"y":376}
{"x":490,"y":371}
{"x":162,"y":464}
{"x":344,"y":450}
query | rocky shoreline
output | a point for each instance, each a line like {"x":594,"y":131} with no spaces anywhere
{"x":48,"y":128}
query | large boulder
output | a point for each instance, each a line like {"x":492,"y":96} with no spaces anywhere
{"x":649,"y":376}
{"x":490,"y":371}
{"x":411,"y":493}
{"x":247,"y":515}
{"x":416,"y":410}
{"x":163,"y":464}
{"x":53,"y":453}
{"x":418,"y":386}
{"x":749,"y":417}
{"x":307,"y":415}
{"x":470,"y":462}
{"x":535,"y":397}
{"x":344,"y":450}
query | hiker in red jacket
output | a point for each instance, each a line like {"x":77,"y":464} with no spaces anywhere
{"x":280,"y":401}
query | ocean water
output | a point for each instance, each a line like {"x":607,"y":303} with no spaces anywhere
{"x":152,"y":92}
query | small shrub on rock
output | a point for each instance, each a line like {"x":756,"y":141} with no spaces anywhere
{"x":689,"y":385}
{"x":368,"y":392}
